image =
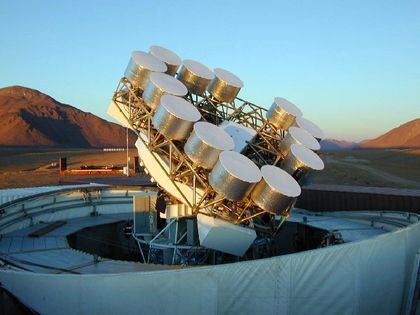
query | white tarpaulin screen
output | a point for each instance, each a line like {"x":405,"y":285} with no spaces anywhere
{"x":8,"y":195}
{"x":367,"y":277}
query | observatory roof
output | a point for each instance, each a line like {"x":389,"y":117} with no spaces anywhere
{"x":8,"y":195}
{"x":51,"y":252}
{"x":341,"y":222}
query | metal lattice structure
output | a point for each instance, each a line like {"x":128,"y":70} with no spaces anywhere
{"x":210,"y":189}
{"x":263,"y":150}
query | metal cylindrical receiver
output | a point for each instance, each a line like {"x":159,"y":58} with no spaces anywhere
{"x":234,"y":175}
{"x":195,"y":76}
{"x":310,"y":127}
{"x":300,"y":161}
{"x":140,"y":66}
{"x":174,"y":117}
{"x":159,"y":84}
{"x":205,"y":143}
{"x":225,"y":86}
{"x":170,"y":58}
{"x":276,"y":191}
{"x":299,"y":136}
{"x":282,"y":113}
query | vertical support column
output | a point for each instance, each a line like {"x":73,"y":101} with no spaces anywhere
{"x":62,"y":164}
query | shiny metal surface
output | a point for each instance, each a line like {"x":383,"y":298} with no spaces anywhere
{"x":205,"y":143}
{"x":310,"y":127}
{"x":171,"y":59}
{"x":160,"y":84}
{"x":174,"y":117}
{"x":225,"y":86}
{"x":195,"y":76}
{"x":276,"y":191}
{"x":282,"y":113}
{"x":234,"y":175}
{"x":300,"y":161}
{"x":140,"y":66}
{"x":297,"y":135}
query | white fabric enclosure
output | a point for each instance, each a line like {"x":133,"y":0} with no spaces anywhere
{"x":8,"y":195}
{"x":366,"y":277}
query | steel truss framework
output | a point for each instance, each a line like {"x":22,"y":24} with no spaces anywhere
{"x":263,"y":149}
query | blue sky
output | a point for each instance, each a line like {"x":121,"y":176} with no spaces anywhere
{"x":353,"y":67}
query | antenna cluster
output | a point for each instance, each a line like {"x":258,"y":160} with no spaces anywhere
{"x":210,"y":151}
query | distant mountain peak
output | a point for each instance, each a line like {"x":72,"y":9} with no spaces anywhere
{"x":32,"y":118}
{"x":17,"y":91}
{"x":406,"y":135}
{"x":337,"y":145}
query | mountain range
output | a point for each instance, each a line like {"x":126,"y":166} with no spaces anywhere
{"x":405,"y":136}
{"x":337,"y":145}
{"x":31,"y":118}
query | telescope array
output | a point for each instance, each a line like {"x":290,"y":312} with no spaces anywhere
{"x":211,"y":152}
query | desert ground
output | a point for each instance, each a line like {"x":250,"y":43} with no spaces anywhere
{"x":376,"y":168}
{"x":28,"y":167}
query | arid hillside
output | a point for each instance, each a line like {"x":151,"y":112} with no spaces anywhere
{"x":31,"y":118}
{"x":404,"y":136}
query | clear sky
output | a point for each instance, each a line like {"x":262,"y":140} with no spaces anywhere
{"x":353,"y":67}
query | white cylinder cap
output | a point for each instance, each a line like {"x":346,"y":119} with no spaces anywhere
{"x":240,"y":166}
{"x":180,"y":108}
{"x":213,"y":135}
{"x":280,"y":181}
{"x":198,"y":69}
{"x":310,"y":127}
{"x":165,"y":55}
{"x":168,"y":83}
{"x":305,"y":138}
{"x":307,"y":156}
{"x":148,"y":61}
{"x":228,"y":77}
{"x":287,"y":106}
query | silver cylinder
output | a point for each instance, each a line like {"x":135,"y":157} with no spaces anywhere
{"x":195,"y":76}
{"x":160,"y":84}
{"x":276,"y":191}
{"x":282,"y":113}
{"x":234,"y":176}
{"x":310,"y":127}
{"x":205,"y":143}
{"x":174,"y":117}
{"x":225,"y":86}
{"x":297,"y":135}
{"x":300,"y":161}
{"x":171,"y":59}
{"x":140,"y":66}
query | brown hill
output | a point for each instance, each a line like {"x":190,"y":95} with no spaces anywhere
{"x":404,"y":136}
{"x":31,"y":118}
